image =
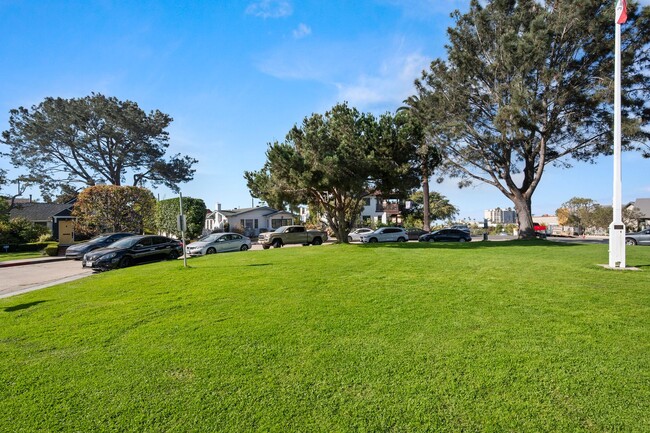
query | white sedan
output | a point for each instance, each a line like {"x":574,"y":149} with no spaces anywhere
{"x":218,"y":243}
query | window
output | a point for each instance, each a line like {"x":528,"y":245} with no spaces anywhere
{"x":366,"y":201}
{"x":279,"y":222}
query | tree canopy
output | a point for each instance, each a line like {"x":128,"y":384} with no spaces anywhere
{"x":527,"y":84}
{"x":92,"y":140}
{"x":194,"y":210}
{"x":333,"y":161}
{"x":110,"y":208}
{"x":440,"y":208}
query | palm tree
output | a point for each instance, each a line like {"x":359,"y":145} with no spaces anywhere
{"x":429,"y":157}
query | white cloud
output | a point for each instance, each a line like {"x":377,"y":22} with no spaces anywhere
{"x":270,"y":8}
{"x":302,"y":31}
{"x":425,"y":8}
{"x":389,"y":85}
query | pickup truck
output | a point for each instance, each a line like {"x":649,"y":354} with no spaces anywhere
{"x":286,"y":235}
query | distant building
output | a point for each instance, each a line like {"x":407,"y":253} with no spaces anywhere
{"x":500,"y":216}
{"x":249,"y":221}
{"x":56,"y":217}
{"x":642,"y":205}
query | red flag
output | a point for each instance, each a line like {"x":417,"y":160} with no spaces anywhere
{"x":621,"y":11}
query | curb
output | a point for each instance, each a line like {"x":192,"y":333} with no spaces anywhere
{"x":9,"y":263}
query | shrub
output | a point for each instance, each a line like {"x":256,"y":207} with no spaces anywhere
{"x":52,"y":250}
{"x":20,"y":230}
{"x":47,"y":237}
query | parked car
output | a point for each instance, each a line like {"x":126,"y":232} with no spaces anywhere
{"x":385,"y":234}
{"x":638,"y":238}
{"x":133,"y":250}
{"x":355,"y":236}
{"x":415,"y":233}
{"x":446,"y":235}
{"x":218,"y":243}
{"x":77,"y":251}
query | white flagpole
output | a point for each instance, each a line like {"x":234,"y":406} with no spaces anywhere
{"x":617,"y":228}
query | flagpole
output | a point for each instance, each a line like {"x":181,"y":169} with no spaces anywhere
{"x":617,"y":228}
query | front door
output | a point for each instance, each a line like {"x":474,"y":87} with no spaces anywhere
{"x":65,"y":232}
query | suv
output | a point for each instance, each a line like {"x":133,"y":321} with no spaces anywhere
{"x":447,"y":235}
{"x":385,"y":234}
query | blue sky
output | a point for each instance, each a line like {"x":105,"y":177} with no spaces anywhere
{"x":236,"y":75}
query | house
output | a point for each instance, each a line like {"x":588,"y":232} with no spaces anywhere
{"x":250,"y":221}
{"x":56,"y":217}
{"x":375,"y":211}
{"x":641,"y":205}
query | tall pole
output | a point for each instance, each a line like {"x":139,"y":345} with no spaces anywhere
{"x":180,"y":195}
{"x":617,"y":228}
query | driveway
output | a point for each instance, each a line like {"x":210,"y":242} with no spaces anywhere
{"x":15,"y":280}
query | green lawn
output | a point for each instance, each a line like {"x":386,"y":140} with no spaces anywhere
{"x":20,"y":256}
{"x":480,"y":337}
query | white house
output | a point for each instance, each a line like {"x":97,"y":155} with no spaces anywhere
{"x":250,"y":221}
{"x":375,"y":210}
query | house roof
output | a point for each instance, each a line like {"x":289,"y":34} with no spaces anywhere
{"x":40,"y":211}
{"x":643,"y":205}
{"x":237,"y":212}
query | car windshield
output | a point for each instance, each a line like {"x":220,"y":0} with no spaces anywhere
{"x":127,"y":242}
{"x":98,"y":239}
{"x":211,"y":238}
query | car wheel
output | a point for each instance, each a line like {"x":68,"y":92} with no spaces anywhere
{"x":630,"y":241}
{"x":243,"y":248}
{"x":431,"y":240}
{"x":317,"y":241}
{"x":210,"y":251}
{"x":173,"y":255}
{"x":373,"y":240}
{"x":266,"y":247}
{"x":277,"y":243}
{"x":401,"y":240}
{"x":350,"y":239}
{"x":125,"y":262}
{"x":462,"y":240}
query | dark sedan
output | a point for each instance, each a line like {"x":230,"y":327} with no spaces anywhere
{"x":446,"y":235}
{"x":133,"y":250}
{"x":77,"y":251}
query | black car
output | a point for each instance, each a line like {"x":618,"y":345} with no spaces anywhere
{"x":77,"y":251}
{"x":415,"y":233}
{"x":446,"y":235}
{"x":132,"y":250}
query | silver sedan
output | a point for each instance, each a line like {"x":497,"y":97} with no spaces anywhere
{"x":218,"y":243}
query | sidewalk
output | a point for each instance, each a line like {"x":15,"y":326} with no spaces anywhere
{"x":34,"y":261}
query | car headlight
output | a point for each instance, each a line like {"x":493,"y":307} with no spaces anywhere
{"x":107,"y":256}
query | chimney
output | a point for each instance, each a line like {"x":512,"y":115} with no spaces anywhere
{"x":218,"y":206}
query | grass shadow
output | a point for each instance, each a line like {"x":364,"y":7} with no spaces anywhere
{"x":22,"y":306}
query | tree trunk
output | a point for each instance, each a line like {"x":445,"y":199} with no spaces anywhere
{"x":524,"y":217}
{"x":425,"y":195}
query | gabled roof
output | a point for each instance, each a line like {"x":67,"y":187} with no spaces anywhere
{"x":237,"y":212}
{"x":41,"y":211}
{"x":643,"y":205}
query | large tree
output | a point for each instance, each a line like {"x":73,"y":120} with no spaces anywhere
{"x":92,"y":140}
{"x":110,"y":208}
{"x":333,"y":161}
{"x":529,"y":83}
